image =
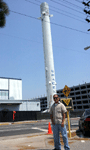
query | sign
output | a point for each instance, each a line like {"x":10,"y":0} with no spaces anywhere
{"x":66,"y":90}
{"x":67,"y":102}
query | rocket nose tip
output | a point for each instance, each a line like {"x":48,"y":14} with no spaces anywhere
{"x":44,"y":6}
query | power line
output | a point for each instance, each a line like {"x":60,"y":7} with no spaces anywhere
{"x":66,"y":6}
{"x":40,"y":42}
{"x":68,"y":16}
{"x":68,"y":28}
{"x":20,"y":38}
{"x":59,"y":12}
{"x":55,"y":8}
{"x":38,"y":1}
{"x":23,"y":14}
{"x":71,"y":4}
{"x":32,"y":3}
{"x":65,"y":11}
{"x":78,"y":1}
{"x":50,"y":22}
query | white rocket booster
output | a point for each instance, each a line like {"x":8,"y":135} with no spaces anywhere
{"x":48,"y":54}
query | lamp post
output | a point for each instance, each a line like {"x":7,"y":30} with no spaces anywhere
{"x":86,"y":48}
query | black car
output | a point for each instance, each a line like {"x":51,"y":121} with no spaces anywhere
{"x":84,"y":122}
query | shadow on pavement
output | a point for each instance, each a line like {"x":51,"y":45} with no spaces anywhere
{"x":81,"y":135}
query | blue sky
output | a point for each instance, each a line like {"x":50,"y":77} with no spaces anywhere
{"x":21,"y":45}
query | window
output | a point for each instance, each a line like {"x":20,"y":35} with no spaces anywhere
{"x":3,"y":94}
{"x":84,"y":97}
{"x":72,"y":89}
{"x":85,"y":102}
{"x":78,"y":102}
{"x":79,"y":107}
{"x":78,"y":97}
{"x":83,"y":92}
{"x":83,"y":87}
{"x":86,"y":107}
{"x":77,"y":93}
{"x":74,"y":107}
{"x":77,"y":88}
{"x":88,"y":86}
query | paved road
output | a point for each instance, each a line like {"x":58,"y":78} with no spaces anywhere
{"x":29,"y":128}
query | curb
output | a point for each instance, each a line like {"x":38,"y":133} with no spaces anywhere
{"x":32,"y":121}
{"x":1,"y":124}
{"x":22,"y":122}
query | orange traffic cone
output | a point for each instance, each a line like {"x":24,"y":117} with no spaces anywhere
{"x":49,"y":129}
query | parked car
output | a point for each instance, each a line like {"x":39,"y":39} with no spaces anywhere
{"x":84,"y":122}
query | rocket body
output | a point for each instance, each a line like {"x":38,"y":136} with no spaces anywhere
{"x":48,"y":54}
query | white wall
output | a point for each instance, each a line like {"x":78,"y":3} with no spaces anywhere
{"x":29,"y":106}
{"x":10,"y":89}
{"x":15,"y":89}
{"x":24,"y":106}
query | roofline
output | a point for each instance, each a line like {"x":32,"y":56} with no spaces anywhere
{"x":10,"y":78}
{"x":19,"y":101}
{"x":83,"y":84}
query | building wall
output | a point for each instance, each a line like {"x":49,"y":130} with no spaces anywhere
{"x":80,"y":95}
{"x":28,"y":105}
{"x":10,"y":89}
{"x":7,"y":116}
{"x":43,"y":102}
{"x":23,"y":105}
{"x":7,"y":107}
{"x":15,"y":89}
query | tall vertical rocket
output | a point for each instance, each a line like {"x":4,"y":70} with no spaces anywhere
{"x":48,"y":54}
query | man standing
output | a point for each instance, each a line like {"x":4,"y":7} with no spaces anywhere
{"x":57,"y":115}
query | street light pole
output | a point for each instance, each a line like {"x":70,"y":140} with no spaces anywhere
{"x":86,"y":48}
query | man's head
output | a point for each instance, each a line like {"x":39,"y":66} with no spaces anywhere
{"x":56,"y":98}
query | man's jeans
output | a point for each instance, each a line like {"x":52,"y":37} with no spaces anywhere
{"x":56,"y":129}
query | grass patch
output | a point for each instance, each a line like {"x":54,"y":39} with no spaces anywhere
{"x":72,"y":134}
{"x":85,"y":139}
{"x":51,"y":141}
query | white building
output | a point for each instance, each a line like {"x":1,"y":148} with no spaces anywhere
{"x":11,"y":96}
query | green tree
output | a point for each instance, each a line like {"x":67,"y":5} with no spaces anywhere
{"x":4,"y":10}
